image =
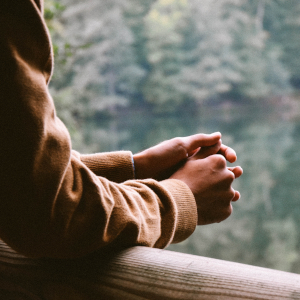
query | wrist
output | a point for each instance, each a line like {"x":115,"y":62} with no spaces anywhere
{"x":133,"y":166}
{"x":140,"y":164}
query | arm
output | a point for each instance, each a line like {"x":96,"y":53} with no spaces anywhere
{"x":115,"y":166}
{"x":51,"y":203}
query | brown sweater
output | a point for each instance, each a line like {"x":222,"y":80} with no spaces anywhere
{"x":55,"y":202}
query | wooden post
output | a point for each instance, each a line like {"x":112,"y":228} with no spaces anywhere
{"x":140,"y":273}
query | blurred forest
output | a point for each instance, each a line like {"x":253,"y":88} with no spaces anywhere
{"x":169,"y":54}
{"x":131,"y":73}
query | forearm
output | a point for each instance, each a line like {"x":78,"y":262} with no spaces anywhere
{"x":133,"y":213}
{"x":115,"y":166}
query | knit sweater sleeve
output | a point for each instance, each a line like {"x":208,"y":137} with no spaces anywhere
{"x":52,"y":204}
{"x":115,"y":166}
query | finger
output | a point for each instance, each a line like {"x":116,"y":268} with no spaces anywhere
{"x":228,"y":153}
{"x":237,"y":196}
{"x":191,"y":153}
{"x":237,"y":171}
{"x":207,"y":151}
{"x":201,"y":140}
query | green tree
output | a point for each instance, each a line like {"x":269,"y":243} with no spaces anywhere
{"x":166,"y":25}
{"x":104,"y":70}
{"x":264,"y":73}
{"x":199,"y":50}
{"x":282,"y":22}
{"x":215,"y":66}
{"x":96,"y":68}
{"x":234,"y":56}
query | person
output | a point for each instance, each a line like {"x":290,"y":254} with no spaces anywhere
{"x":58,"y":203}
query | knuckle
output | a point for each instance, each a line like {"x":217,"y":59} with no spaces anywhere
{"x":228,"y":196}
{"x":179,"y":144}
{"x":229,"y":210}
{"x":230,"y":176}
{"x":219,"y":160}
{"x":177,"y":140}
{"x":232,"y":193}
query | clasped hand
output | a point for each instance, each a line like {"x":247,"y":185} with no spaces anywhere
{"x":200,"y":162}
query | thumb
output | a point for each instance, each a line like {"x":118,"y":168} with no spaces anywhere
{"x":207,"y":151}
{"x":196,"y":141}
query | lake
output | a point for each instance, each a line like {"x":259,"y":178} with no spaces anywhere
{"x":264,"y":229}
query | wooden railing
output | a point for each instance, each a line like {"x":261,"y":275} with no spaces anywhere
{"x":140,"y":273}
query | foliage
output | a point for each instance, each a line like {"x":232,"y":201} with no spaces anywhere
{"x":69,"y":109}
{"x":199,"y":50}
{"x":282,"y":23}
{"x":173,"y":52}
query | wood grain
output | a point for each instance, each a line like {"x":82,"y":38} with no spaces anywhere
{"x":140,"y":273}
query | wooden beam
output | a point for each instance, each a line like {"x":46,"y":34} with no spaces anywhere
{"x":140,"y":273}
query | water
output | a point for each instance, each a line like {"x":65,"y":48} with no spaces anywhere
{"x":264,"y":229}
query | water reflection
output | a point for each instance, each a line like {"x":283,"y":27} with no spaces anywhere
{"x":264,"y":229}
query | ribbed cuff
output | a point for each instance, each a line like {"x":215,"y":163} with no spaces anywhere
{"x":115,"y":166}
{"x":186,"y":208}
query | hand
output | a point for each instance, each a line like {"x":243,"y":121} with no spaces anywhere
{"x":217,"y":148}
{"x":224,"y":150}
{"x":161,"y":161}
{"x":210,"y":181}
